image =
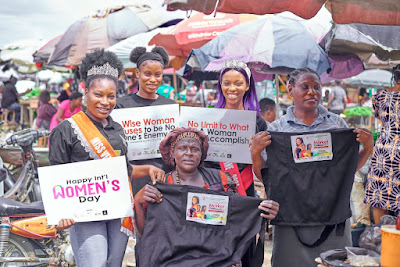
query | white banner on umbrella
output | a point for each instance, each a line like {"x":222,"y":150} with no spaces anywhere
{"x":228,"y":130}
{"x":145,"y":127}
{"x":86,"y":191}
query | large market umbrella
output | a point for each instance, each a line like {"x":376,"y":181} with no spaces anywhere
{"x":105,"y":29}
{"x":197,"y":30}
{"x":43,"y":53}
{"x":365,"y":41}
{"x":373,"y":77}
{"x":380,"y":12}
{"x":19,"y":54}
{"x":270,"y":45}
{"x":123,"y":49}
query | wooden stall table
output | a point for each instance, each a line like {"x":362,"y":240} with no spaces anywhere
{"x":28,"y":108}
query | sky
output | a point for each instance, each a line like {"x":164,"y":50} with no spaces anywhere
{"x":46,"y":19}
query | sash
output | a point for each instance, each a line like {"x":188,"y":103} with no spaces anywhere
{"x":98,"y":147}
{"x":242,"y":179}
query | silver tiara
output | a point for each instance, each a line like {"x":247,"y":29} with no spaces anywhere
{"x":236,"y":64}
{"x":106,"y":69}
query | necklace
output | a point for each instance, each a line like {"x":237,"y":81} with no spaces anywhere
{"x":177,"y":176}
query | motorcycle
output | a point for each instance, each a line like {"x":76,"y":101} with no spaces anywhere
{"x":27,"y":240}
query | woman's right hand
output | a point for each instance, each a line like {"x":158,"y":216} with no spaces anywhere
{"x":65,"y":224}
{"x":148,"y":194}
{"x":259,"y":142}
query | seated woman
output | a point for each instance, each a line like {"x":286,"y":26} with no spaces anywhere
{"x":186,"y":149}
{"x":67,"y":108}
{"x":45,"y":111}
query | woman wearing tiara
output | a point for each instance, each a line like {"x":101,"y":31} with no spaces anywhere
{"x":236,"y":90}
{"x":149,"y":72}
{"x":99,"y":243}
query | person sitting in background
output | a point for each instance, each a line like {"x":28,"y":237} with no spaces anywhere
{"x":10,"y":98}
{"x":166,"y":89}
{"x":67,"y":108}
{"x":64,"y":95}
{"x":45,"y":111}
{"x":268,"y":109}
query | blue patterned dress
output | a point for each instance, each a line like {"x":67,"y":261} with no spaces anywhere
{"x":383,"y":182}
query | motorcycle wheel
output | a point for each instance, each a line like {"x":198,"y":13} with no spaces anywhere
{"x":19,"y":247}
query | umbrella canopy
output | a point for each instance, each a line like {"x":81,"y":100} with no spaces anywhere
{"x":196,"y":31}
{"x":270,"y":45}
{"x":373,"y":77}
{"x":123,"y":49}
{"x":44,"y":53}
{"x":6,"y":75}
{"x":380,"y":12}
{"x":365,"y":41}
{"x":105,"y":29}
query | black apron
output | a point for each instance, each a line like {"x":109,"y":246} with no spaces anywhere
{"x":171,"y":240}
{"x":311,"y":193}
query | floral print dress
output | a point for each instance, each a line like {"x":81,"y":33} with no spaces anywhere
{"x":383,"y":183}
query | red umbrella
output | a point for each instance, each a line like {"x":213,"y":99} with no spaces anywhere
{"x":380,"y":12}
{"x":196,"y":31}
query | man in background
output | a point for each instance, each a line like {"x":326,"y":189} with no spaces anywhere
{"x":337,"y":99}
{"x":10,"y":98}
{"x":268,"y":109}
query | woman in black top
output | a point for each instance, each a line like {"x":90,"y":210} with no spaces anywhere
{"x":99,"y":243}
{"x":149,"y":73}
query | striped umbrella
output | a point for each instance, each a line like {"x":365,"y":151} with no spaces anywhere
{"x":269,"y":45}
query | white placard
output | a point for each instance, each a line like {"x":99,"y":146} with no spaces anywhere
{"x":228,"y":130}
{"x":91,"y":190}
{"x":145,"y":127}
{"x":207,"y":208}
{"x":311,"y":147}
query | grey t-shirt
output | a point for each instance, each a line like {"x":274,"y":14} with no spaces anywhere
{"x":135,"y":101}
{"x":338,"y":101}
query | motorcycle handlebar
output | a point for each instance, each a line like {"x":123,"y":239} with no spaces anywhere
{"x":27,"y":135}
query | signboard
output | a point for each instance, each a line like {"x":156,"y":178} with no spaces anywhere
{"x":228,"y":130}
{"x":207,"y":208}
{"x":145,"y":127}
{"x":86,"y":191}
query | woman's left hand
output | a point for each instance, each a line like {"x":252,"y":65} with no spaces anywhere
{"x":269,"y":209}
{"x":156,"y":174}
{"x":366,"y":138}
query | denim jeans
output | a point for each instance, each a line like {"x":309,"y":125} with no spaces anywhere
{"x":98,"y":244}
{"x":17,"y":107}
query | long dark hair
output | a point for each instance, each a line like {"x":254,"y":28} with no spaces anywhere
{"x":250,"y":101}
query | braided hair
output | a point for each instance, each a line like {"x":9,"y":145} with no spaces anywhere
{"x":99,"y":58}
{"x":396,"y":75}
{"x":294,"y":75}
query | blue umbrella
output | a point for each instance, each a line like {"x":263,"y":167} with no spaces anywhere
{"x":273,"y":44}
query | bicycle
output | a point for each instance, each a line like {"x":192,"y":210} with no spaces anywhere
{"x":26,"y":187}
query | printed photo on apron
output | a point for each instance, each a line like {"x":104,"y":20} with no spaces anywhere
{"x":311,"y":147}
{"x":207,"y":208}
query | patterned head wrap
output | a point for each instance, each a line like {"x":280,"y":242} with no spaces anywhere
{"x":178,"y":134}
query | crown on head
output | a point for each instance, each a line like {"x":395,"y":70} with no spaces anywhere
{"x":236,"y":64}
{"x":105,"y":69}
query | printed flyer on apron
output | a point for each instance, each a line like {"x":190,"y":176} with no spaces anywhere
{"x":311,"y":147}
{"x":207,"y":208}
{"x":145,"y":127}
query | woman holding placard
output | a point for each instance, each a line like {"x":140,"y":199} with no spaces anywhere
{"x":305,"y":243}
{"x":149,"y":72}
{"x":100,"y":243}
